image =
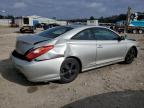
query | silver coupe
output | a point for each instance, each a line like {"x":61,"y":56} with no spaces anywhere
{"x":62,"y":52}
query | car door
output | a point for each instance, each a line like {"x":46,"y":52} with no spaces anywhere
{"x":108,"y":47}
{"x":83,"y":46}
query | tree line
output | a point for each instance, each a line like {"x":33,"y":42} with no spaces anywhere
{"x":110,"y":19}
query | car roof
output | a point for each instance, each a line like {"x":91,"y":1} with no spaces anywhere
{"x":84,"y":26}
{"x":78,"y":28}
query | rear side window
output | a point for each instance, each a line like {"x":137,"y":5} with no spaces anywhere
{"x":104,"y":34}
{"x":55,"y":32}
{"x":84,"y":35}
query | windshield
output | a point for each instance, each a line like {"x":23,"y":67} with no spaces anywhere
{"x":55,"y":32}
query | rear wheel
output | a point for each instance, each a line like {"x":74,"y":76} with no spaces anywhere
{"x":140,"y":31}
{"x":130,"y":56}
{"x":69,"y":70}
{"x":32,"y":31}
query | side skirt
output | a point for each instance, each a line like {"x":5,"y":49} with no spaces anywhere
{"x":102,"y":65}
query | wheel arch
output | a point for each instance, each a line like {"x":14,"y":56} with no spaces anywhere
{"x":134,"y":47}
{"x":77,"y":60}
{"x":135,"y":50}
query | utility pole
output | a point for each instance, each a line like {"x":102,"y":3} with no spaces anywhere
{"x":128,"y":19}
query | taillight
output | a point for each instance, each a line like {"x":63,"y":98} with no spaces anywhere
{"x":38,"y":52}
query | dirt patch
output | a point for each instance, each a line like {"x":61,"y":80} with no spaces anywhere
{"x":32,"y":89}
{"x":53,"y":86}
{"x":141,"y":40}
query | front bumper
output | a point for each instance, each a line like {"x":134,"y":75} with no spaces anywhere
{"x":42,"y":71}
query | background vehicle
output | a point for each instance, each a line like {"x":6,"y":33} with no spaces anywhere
{"x":135,"y":23}
{"x":39,"y":25}
{"x":30,"y":29}
{"x":62,"y":52}
{"x":136,"y":27}
{"x":47,"y":26}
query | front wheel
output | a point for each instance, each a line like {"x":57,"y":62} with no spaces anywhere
{"x":21,"y":31}
{"x":69,"y":70}
{"x":130,"y":56}
{"x":134,"y":31}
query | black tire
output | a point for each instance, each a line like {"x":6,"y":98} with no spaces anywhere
{"x":134,"y":31}
{"x":70,"y":69}
{"x":140,"y":31}
{"x":21,"y":31}
{"x":130,"y":56}
{"x":32,"y":31}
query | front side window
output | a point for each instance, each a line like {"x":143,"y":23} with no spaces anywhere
{"x":55,"y":32}
{"x":104,"y":34}
{"x":84,"y":35}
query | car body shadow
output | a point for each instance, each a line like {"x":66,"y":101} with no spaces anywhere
{"x":11,"y":74}
{"x":125,"y":99}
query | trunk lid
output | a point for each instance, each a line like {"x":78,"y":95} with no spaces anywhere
{"x":25,"y":43}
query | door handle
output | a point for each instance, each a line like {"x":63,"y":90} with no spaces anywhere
{"x":99,"y":46}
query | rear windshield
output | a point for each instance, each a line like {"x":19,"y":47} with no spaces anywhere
{"x":55,"y":32}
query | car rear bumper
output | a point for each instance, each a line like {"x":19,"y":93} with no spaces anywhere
{"x":41,"y":71}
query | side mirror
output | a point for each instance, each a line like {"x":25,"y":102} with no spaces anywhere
{"x":124,"y":36}
{"x":121,"y":38}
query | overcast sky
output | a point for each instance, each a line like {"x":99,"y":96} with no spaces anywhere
{"x":69,"y":8}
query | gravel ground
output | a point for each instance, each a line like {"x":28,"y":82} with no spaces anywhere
{"x":114,"y":86}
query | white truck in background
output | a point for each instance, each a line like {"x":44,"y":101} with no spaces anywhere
{"x":30,"y":23}
{"x":92,"y":22}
